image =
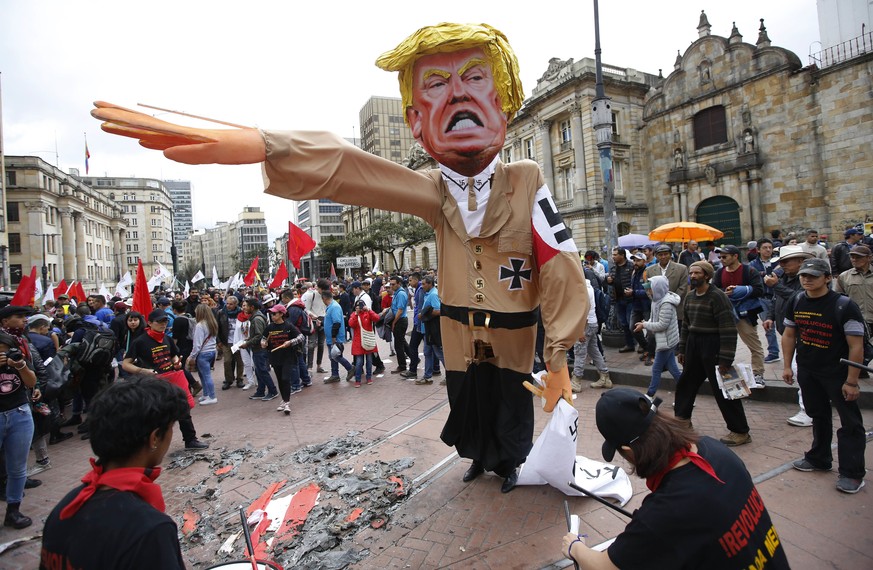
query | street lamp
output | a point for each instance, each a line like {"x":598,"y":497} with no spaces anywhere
{"x":44,"y":266}
{"x":601,"y":112}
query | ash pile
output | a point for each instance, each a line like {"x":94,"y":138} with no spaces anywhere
{"x":316,"y":500}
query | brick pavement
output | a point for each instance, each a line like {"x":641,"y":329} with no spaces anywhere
{"x":446,"y":523}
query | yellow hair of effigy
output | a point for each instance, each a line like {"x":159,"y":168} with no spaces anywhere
{"x":447,"y":38}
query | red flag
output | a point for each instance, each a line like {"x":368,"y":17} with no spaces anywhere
{"x":78,"y":292}
{"x":332,"y":272}
{"x":249,"y":279}
{"x":61,"y":288}
{"x":87,"y":156}
{"x":299,"y":244}
{"x":26,"y":289}
{"x":142,"y":301}
{"x":281,"y":275}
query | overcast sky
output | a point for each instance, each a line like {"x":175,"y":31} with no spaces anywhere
{"x":301,"y":65}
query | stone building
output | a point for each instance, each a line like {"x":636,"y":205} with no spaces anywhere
{"x":554,"y":128}
{"x":229,"y":246}
{"x":743,"y":137}
{"x":147,"y":209}
{"x":56,"y":220}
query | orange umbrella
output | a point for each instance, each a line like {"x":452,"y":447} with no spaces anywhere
{"x":685,"y":231}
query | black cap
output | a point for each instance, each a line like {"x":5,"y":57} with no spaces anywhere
{"x":163,"y":302}
{"x":158,"y":315}
{"x":853,"y":232}
{"x":815,"y":267}
{"x":663,"y":248}
{"x":731,"y":249}
{"x":354,"y":284}
{"x":10,"y":310}
{"x":623,"y":415}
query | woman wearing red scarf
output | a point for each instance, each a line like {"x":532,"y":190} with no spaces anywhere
{"x":116,"y":518}
{"x":703,"y":510}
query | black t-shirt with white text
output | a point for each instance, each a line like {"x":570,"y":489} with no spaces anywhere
{"x":821,"y":329}
{"x":277,"y":335}
{"x":149,"y":353}
{"x":113,"y":529}
{"x":694,"y":521}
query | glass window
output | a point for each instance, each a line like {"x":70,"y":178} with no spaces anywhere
{"x":710,"y":127}
{"x":12,"y":212}
{"x":14,"y":243}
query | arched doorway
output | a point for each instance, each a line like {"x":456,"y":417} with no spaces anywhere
{"x":425,"y":258}
{"x":722,"y":213}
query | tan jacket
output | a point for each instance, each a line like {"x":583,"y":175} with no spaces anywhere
{"x":307,"y":165}
{"x":677,"y":277}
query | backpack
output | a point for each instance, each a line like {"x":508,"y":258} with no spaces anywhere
{"x":98,"y":348}
{"x":602,"y":305}
{"x":192,"y":324}
{"x":303,"y":322}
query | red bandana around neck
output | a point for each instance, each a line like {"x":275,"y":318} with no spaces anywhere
{"x":654,"y":481}
{"x":134,"y":479}
{"x":158,"y":336}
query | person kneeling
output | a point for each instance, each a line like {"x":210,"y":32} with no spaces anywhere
{"x":701,"y":492}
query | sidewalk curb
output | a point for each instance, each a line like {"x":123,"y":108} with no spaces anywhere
{"x":776,"y":391}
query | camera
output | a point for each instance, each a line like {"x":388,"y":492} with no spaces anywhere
{"x":14,"y":355}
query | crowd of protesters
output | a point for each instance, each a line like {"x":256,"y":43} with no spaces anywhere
{"x":674,"y":306}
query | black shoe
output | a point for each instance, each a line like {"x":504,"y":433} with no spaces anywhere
{"x":196,"y":444}
{"x":256,"y":397}
{"x":410,"y":375}
{"x":73,"y":420}
{"x":59,"y":437}
{"x":379,"y":370}
{"x":398,"y":370}
{"x":626,"y":349}
{"x":196,"y":388}
{"x":437,"y":373}
{"x":32,"y":483}
{"x":474,"y":471}
{"x":509,"y":482}
{"x":226,"y":386}
{"x":83,"y":428}
{"x":239,"y":383}
{"x":15,"y":519}
{"x":85,"y":436}
{"x":350,"y":375}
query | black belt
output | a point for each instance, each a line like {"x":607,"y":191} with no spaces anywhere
{"x":478,"y":318}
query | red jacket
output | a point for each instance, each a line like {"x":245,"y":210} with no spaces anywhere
{"x":367,"y":320}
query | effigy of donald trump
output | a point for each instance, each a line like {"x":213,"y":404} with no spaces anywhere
{"x":506,"y":258}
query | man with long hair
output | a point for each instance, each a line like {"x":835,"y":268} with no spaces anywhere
{"x":703,"y":510}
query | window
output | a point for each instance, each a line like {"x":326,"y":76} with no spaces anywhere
{"x":133,"y":208}
{"x":507,"y":155}
{"x":710,"y":127}
{"x":617,"y":176}
{"x":14,"y":243}
{"x":131,"y":260}
{"x":156,"y":247}
{"x":566,"y":133}
{"x":10,"y":178}
{"x":156,"y":223}
{"x":529,"y":150}
{"x":12,"y":211}
{"x":156,"y":235}
{"x":15,"y":273}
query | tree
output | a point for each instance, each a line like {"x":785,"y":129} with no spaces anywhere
{"x":188,"y":270}
{"x":332,"y":247}
{"x":414,"y":231}
{"x":387,"y":235}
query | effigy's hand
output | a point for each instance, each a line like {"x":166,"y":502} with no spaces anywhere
{"x":555,"y":385}
{"x":183,"y":144}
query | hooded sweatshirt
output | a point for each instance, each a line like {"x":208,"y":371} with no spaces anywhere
{"x":664,"y":320}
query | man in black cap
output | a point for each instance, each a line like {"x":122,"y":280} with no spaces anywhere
{"x":155,"y":353}
{"x":824,"y":327}
{"x":840,"y":260}
{"x":703,"y":512}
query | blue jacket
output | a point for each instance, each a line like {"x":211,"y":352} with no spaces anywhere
{"x":417,"y":300}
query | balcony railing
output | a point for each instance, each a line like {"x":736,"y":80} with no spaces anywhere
{"x":844,"y":51}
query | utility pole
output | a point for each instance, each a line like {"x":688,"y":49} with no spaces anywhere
{"x":601,"y":111}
